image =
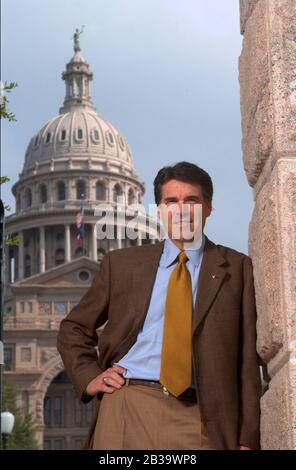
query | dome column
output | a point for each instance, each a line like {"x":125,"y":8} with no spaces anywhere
{"x":42,"y":249}
{"x":67,"y":243}
{"x":119,"y":236}
{"x":94,"y":242}
{"x":139,"y":239}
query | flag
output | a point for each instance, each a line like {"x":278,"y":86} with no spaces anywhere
{"x":79,"y":226}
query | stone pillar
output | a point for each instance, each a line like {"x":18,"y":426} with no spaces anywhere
{"x":7,"y":265}
{"x":94,"y":245}
{"x":267,"y":68}
{"x":21,"y":256}
{"x":42,"y":249}
{"x":139,"y":239}
{"x":67,"y":243}
{"x":119,"y":236}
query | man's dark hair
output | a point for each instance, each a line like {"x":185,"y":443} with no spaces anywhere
{"x":187,"y":172}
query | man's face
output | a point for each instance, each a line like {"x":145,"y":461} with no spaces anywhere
{"x":185,"y":210}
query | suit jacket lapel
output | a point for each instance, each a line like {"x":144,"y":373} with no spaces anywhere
{"x":211,"y":276}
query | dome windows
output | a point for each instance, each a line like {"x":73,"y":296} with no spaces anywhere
{"x":18,"y":202}
{"x":117,"y":193}
{"x":43,"y":193}
{"x":110,"y":138}
{"x":100,"y":191}
{"x":131,"y":196}
{"x":28,"y":197}
{"x":63,"y":135}
{"x":48,"y":138}
{"x":36,"y":142}
{"x":95,"y":136}
{"x":80,"y":190}
{"x":79,"y":135}
{"x":121,"y":142}
{"x":61,"y":191}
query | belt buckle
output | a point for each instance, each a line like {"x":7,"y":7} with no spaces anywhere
{"x":165,"y":390}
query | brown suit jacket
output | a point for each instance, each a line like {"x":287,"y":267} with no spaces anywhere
{"x":223,"y":336}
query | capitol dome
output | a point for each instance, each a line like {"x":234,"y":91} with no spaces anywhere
{"x":77,"y":135}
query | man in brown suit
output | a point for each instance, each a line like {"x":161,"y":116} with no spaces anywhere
{"x":135,"y":410}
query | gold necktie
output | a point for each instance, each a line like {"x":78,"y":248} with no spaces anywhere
{"x":176,"y":354}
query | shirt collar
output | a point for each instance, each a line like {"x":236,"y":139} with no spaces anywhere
{"x":171,"y":251}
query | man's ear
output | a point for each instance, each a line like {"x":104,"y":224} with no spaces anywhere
{"x":209,"y":207}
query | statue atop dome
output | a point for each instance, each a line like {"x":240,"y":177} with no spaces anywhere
{"x":76,"y":38}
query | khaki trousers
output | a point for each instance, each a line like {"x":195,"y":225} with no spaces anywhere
{"x":139,"y":417}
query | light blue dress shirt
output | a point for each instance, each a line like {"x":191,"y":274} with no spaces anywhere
{"x":143,"y":359}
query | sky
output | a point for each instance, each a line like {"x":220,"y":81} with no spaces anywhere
{"x":165,"y":74}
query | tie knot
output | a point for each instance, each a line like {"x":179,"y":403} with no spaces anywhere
{"x":182,"y":257}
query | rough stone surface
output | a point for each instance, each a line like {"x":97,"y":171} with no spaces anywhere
{"x":246,"y":8}
{"x":282,"y":34}
{"x":272,"y":242}
{"x":256,"y":94}
{"x":268,"y":86}
{"x":268,"y":105}
{"x":278,"y":411}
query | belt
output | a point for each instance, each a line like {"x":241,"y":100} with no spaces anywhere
{"x":189,"y":394}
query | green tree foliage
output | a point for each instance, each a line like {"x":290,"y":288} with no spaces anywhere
{"x":5,"y":114}
{"x":23,"y":433}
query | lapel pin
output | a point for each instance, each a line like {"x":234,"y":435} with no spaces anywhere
{"x":214,"y":276}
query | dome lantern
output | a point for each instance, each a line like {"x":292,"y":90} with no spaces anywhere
{"x":77,"y":77}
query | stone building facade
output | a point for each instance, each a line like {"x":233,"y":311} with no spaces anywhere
{"x":76,"y":160}
{"x":267,"y":73}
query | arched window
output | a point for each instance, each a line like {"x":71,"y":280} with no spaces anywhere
{"x":59,"y":256}
{"x":18,"y":202}
{"x":117,"y":193}
{"x":47,"y":138}
{"x":110,"y":138}
{"x":63,"y":134}
{"x":131,"y":196}
{"x":27,"y":266}
{"x":28,"y":197}
{"x":100,"y":191}
{"x":43,"y":193}
{"x":80,"y":190}
{"x":61,"y":191}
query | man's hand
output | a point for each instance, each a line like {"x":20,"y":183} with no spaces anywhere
{"x":244,"y":448}
{"x":112,"y":381}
